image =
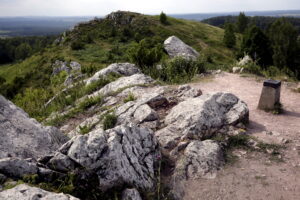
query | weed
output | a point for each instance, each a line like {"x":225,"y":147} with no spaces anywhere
{"x":130,"y":97}
{"x":109,"y":121}
{"x":85,"y":129}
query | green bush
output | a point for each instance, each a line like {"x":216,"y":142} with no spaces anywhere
{"x":89,"y":70}
{"x":77,"y":45}
{"x":272,"y":72}
{"x":180,"y":70}
{"x":109,"y":121}
{"x":145,"y":54}
{"x":96,"y":85}
{"x":85,"y":129}
{"x":253,"y":68}
{"x":59,"y":78}
{"x":163,"y":18}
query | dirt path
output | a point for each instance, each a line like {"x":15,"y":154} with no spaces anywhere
{"x":255,"y":176}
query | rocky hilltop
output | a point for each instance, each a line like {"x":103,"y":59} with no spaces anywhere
{"x":155,"y":124}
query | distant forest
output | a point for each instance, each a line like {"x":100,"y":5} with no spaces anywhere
{"x":19,"y":48}
{"x":260,"y":21}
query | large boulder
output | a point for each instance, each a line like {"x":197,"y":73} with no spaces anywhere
{"x":201,"y":117}
{"x":24,"y":192}
{"x":24,"y":137}
{"x":175,"y":47}
{"x":59,"y":66}
{"x":123,"y":69}
{"x":123,"y":82}
{"x":124,"y":155}
{"x":200,"y":159}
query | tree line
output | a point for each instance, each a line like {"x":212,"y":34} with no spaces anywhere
{"x":19,"y":48}
{"x":278,"y":45}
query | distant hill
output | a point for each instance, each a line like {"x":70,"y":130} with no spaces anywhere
{"x":202,"y":16}
{"x":37,"y":26}
{"x":261,"y":21}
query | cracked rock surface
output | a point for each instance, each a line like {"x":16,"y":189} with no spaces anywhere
{"x":124,"y":155}
{"x":22,"y":136}
{"x":200,"y":117}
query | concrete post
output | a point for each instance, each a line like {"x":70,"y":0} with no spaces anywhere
{"x":270,"y":95}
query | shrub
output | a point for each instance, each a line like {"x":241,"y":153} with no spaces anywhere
{"x":145,"y":54}
{"x":96,"y":85}
{"x":59,"y":78}
{"x":163,"y":18}
{"x":272,"y":71}
{"x":253,"y":68}
{"x":85,"y":129}
{"x":89,"y":70}
{"x":109,"y":121}
{"x":180,"y":70}
{"x":77,"y":45}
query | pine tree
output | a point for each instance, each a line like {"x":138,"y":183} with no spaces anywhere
{"x":257,"y":45}
{"x":284,"y":43}
{"x":229,"y":36}
{"x":242,"y":23}
{"x":163,"y":18}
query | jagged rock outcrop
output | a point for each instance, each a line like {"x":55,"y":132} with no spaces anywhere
{"x":75,"y":66}
{"x":123,"y":69}
{"x":121,"y":17}
{"x":175,"y":47}
{"x":201,"y":117}
{"x":24,"y":192}
{"x":200,"y":159}
{"x":131,"y":194}
{"x":186,"y":91}
{"x":123,"y":82}
{"x":124,"y":155}
{"x":23,"y":137}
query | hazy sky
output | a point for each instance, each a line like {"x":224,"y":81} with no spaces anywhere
{"x":103,"y":7}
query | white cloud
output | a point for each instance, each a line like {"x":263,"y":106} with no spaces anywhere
{"x":102,"y":7}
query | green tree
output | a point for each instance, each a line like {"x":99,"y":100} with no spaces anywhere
{"x":284,"y":43}
{"x":163,"y":18}
{"x":229,"y":36}
{"x":22,"y":51}
{"x":257,"y":45}
{"x":242,"y":23}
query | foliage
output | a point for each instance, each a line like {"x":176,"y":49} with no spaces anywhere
{"x":163,"y":18}
{"x":180,"y":70}
{"x":85,"y":129}
{"x":89,"y":102}
{"x":253,"y":68}
{"x":59,"y":78}
{"x":284,"y":43}
{"x":32,"y":101}
{"x":257,"y":45}
{"x":145,"y":53}
{"x":242,"y":22}
{"x":229,"y":36}
{"x":19,"y":48}
{"x":77,"y":45}
{"x":109,"y":121}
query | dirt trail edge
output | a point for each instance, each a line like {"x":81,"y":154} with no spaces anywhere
{"x":255,"y":176}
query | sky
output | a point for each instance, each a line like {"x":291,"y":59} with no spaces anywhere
{"x":104,"y":7}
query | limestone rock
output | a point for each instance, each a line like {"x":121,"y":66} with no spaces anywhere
{"x":245,"y":60}
{"x":136,"y":79}
{"x":24,"y":192}
{"x":124,"y":69}
{"x":124,"y":155}
{"x":131,"y":194}
{"x":200,"y":159}
{"x":201,"y":117}
{"x":186,"y":91}
{"x":237,"y":70}
{"x":75,"y":66}
{"x":145,"y":113}
{"x":60,"y":66}
{"x":15,"y":167}
{"x":24,"y":137}
{"x":175,"y":47}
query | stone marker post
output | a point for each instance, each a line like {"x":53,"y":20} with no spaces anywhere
{"x":270,"y":95}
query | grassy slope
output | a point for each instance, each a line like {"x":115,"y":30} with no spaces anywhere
{"x":204,"y":38}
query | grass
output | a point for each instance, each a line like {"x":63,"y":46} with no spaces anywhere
{"x":129,"y":98}
{"x":109,"y":121}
